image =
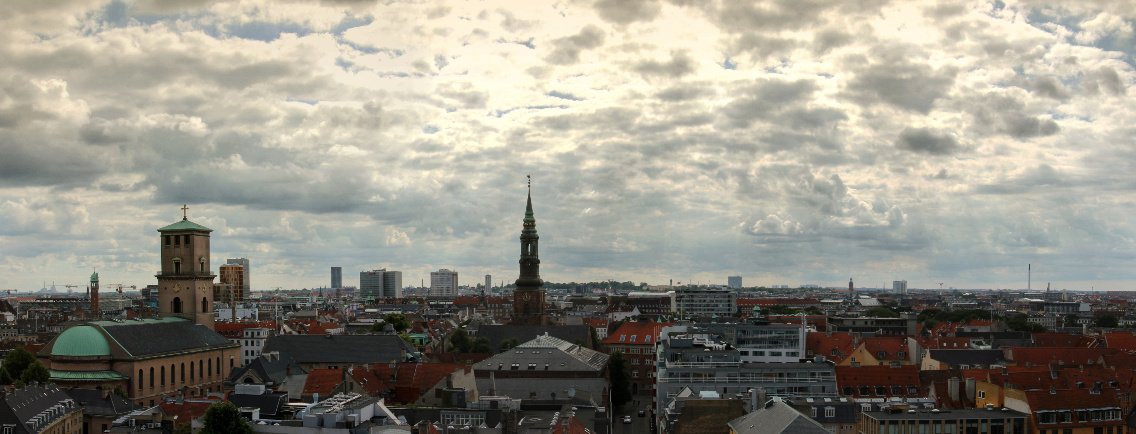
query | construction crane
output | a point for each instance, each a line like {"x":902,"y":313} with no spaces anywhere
{"x":69,"y":287}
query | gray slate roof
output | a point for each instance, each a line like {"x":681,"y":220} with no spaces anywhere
{"x":547,"y":353}
{"x":497,"y":333}
{"x":20,"y":406}
{"x":269,"y":404}
{"x":147,"y":337}
{"x":776,"y":418}
{"x":100,"y":402}
{"x":345,"y":349}
{"x":270,"y":368}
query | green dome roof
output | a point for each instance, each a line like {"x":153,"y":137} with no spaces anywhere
{"x":184,"y":225}
{"x":81,"y":341}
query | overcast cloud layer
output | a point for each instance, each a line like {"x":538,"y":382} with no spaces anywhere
{"x":788,"y":142}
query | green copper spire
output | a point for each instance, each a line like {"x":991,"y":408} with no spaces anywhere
{"x":528,"y":208}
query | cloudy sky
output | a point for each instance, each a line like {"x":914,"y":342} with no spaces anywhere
{"x":789,"y":142}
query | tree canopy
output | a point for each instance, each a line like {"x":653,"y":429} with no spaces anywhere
{"x":620,"y":379}
{"x":225,"y":418}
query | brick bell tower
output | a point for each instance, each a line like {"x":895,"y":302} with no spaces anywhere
{"x":185,"y":282}
{"x":528,"y":298}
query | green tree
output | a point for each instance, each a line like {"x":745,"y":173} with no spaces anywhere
{"x":35,"y":372}
{"x":508,"y":344}
{"x":481,"y":346}
{"x":460,"y":341}
{"x":1107,"y":321}
{"x":398,"y":321}
{"x":225,"y":418}
{"x":881,"y":312}
{"x":17,"y":360}
{"x":5,"y":377}
{"x":620,"y":379}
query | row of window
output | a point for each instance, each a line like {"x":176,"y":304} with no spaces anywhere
{"x":828,"y":412}
{"x":894,"y":390}
{"x":177,"y":240}
{"x":200,"y":372}
{"x":1066,"y":416}
{"x":623,"y":338}
{"x":762,"y":353}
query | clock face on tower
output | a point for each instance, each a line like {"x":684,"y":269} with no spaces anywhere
{"x":526,"y":297}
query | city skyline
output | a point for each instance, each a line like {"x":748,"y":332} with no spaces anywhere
{"x":668,"y":141}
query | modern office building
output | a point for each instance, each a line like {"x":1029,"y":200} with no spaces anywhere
{"x":243,"y":262}
{"x":444,"y":283}
{"x":704,"y":362}
{"x":380,"y":283}
{"x":336,"y":277}
{"x":734,"y":282}
{"x":761,"y":342}
{"x":899,"y":286}
{"x":488,"y":281}
{"x":231,"y":283}
{"x":903,"y":419}
{"x":704,"y":302}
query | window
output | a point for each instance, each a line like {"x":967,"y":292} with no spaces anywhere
{"x":622,"y":338}
{"x":814,"y":409}
{"x":183,"y":372}
{"x":829,"y":412}
{"x":218,"y":365}
{"x":151,"y":376}
{"x":632,"y":338}
{"x":172,"y":373}
{"x":139,"y":379}
{"x":981,"y":394}
{"x":163,"y":376}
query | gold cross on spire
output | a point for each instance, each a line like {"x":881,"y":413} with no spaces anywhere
{"x":184,"y":210}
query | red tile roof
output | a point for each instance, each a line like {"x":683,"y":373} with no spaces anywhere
{"x":372,"y":385}
{"x":635,"y":333}
{"x":1070,"y":399}
{"x":235,"y":330}
{"x":1125,"y":340}
{"x":408,"y":381}
{"x":1024,"y":356}
{"x":869,"y":381}
{"x":322,"y":381}
{"x":835,"y":347}
{"x":1061,"y":340}
{"x":889,"y":346}
{"x":186,"y":411}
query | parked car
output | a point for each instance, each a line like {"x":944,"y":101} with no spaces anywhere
{"x":626,"y":419}
{"x":642,"y":413}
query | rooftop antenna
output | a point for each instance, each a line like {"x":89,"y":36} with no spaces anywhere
{"x":1029,"y":277}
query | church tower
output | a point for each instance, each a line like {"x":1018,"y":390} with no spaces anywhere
{"x":528,"y":298}
{"x":94,"y":296}
{"x":185,"y":283}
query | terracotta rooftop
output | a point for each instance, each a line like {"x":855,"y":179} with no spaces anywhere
{"x":878,"y":381}
{"x":635,"y":333}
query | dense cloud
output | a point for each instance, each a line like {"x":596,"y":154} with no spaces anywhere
{"x":789,"y":142}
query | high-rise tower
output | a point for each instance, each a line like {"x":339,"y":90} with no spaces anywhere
{"x":185,"y":282}
{"x":95,"y":313}
{"x":528,"y":298}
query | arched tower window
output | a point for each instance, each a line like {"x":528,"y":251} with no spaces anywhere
{"x":201,"y":266}
{"x":204,"y":305}
{"x":177,"y":266}
{"x":175,"y":306}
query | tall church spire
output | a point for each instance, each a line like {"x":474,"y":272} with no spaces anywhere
{"x":528,"y":298}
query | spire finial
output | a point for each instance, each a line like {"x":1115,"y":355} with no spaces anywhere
{"x":184,"y":210}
